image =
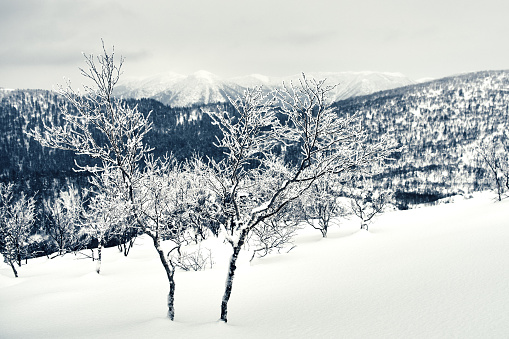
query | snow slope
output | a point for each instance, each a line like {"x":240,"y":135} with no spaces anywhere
{"x":433,"y":272}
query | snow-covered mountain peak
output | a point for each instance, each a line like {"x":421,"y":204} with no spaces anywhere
{"x":206,"y":76}
{"x":203,"y":87}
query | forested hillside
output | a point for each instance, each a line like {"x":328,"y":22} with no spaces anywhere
{"x":181,"y":131}
{"x":438,"y":125}
{"x":23,"y":160}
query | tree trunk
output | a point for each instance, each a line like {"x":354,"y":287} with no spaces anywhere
{"x":99,"y":256}
{"x":13,"y":268}
{"x":231,"y":273}
{"x":324,"y":231}
{"x":169,"y":273}
{"x":171,"y":297}
{"x":499,"y":188}
{"x":18,"y":255}
{"x":128,"y":247}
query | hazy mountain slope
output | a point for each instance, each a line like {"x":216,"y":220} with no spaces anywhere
{"x":203,"y":87}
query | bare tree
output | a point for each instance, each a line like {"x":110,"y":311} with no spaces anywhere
{"x":201,"y":215}
{"x":494,"y":155}
{"x":275,"y":233}
{"x":101,"y":126}
{"x":193,"y":261}
{"x":64,"y":213}
{"x":367,"y":200}
{"x":253,"y":133}
{"x":17,"y":215}
{"x":320,"y":205}
{"x":108,"y":209}
{"x":108,"y":130}
{"x":366,"y":205}
{"x":164,"y":200}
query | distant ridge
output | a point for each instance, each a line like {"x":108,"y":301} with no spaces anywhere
{"x":203,"y":87}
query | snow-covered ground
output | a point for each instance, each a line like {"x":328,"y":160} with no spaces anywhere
{"x":433,"y":272}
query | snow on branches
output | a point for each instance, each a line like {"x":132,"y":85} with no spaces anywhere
{"x":17,"y":215}
{"x":99,"y":125}
{"x":254,"y":138}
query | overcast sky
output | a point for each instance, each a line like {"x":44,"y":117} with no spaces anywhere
{"x":42,"y":41}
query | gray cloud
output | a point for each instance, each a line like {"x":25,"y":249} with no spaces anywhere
{"x":276,"y":37}
{"x":303,"y":36}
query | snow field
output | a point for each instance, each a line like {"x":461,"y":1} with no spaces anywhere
{"x":433,"y":272}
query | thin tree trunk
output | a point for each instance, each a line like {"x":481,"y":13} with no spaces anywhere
{"x":231,"y":274}
{"x":169,"y":273}
{"x":128,"y":247}
{"x":13,"y":268}
{"x":324,"y":231}
{"x":18,"y":255}
{"x":171,"y":297}
{"x":99,"y":257}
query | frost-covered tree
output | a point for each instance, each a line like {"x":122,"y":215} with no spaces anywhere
{"x":321,"y":205}
{"x":108,"y":130}
{"x":125,"y":234}
{"x":101,"y":126}
{"x":275,"y":233}
{"x":493,"y":153}
{"x":63,"y":213}
{"x":254,"y":131}
{"x":108,"y":209}
{"x":17,"y":215}
{"x":202,"y":216}
{"x":165,"y":196}
{"x":367,"y":201}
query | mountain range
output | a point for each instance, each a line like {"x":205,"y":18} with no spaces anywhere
{"x":202,"y":87}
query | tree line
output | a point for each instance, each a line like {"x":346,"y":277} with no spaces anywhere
{"x":245,"y":194}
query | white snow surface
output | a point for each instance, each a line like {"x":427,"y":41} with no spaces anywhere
{"x":432,"y":272}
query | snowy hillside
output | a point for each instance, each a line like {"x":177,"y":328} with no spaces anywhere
{"x":434,"y":272}
{"x":440,"y":125}
{"x":204,"y":87}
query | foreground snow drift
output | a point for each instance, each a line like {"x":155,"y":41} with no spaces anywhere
{"x":431,"y":272}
